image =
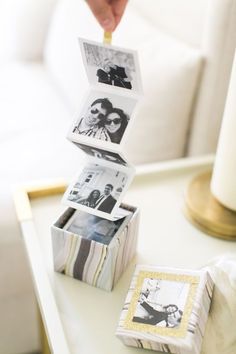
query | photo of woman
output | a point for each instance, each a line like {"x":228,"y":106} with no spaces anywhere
{"x":115,"y":124}
{"x":91,"y":200}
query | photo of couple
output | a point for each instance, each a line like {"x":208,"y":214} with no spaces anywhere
{"x":98,"y":189}
{"x":117,"y":67}
{"x":102,"y":121}
{"x":161,"y":303}
{"x":103,"y":201}
{"x":112,"y":74}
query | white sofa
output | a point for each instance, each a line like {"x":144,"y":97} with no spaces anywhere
{"x":186,"y":51}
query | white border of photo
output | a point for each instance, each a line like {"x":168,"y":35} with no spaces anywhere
{"x":92,"y":78}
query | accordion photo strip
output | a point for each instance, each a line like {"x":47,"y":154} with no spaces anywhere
{"x":101,"y":127}
{"x":95,"y":238}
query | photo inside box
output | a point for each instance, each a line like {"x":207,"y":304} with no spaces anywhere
{"x":104,"y":117}
{"x":112,"y":66}
{"x":102,"y":154}
{"x":92,"y":227}
{"x":161,"y":303}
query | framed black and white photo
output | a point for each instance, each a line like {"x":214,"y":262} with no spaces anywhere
{"x":161,"y":300}
{"x":104,"y":119}
{"x":111,"y":66}
{"x":165,"y":308}
{"x":98,"y":189}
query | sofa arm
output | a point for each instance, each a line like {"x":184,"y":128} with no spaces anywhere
{"x":23,"y":28}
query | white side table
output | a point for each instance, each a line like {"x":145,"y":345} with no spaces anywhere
{"x":81,"y":319}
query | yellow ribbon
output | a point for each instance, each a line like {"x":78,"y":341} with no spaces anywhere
{"x":107,"y":37}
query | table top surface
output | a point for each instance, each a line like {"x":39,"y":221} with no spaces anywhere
{"x":89,"y":316}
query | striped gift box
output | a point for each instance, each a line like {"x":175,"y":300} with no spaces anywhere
{"x":166,"y":309}
{"x":93,"y":262}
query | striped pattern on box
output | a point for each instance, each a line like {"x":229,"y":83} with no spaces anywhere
{"x":92,"y":262}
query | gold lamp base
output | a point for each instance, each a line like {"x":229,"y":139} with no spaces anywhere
{"x":205,"y":212}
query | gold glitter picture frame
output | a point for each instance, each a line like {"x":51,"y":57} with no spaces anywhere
{"x":161,"y":303}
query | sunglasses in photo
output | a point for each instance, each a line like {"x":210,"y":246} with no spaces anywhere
{"x":95,"y":111}
{"x":114,"y":121}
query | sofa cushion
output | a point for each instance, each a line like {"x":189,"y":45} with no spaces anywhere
{"x":169,"y":71}
{"x":23,"y":28}
{"x":169,"y":15}
{"x":34,"y":125}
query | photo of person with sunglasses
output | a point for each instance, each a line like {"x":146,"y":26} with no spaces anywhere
{"x":103,"y":122}
{"x":91,"y":122}
{"x":115,"y":124}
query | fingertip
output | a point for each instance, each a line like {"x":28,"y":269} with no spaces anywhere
{"x":108,"y":24}
{"x":103,"y":12}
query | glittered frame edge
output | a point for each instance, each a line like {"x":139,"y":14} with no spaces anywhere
{"x":164,"y":331}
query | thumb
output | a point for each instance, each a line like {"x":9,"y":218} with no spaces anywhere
{"x":103,"y":13}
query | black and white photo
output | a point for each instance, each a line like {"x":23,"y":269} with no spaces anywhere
{"x":102,"y":154}
{"x":93,"y":227}
{"x":104,"y":117}
{"x":98,"y":189}
{"x":161,"y":303}
{"x":113,"y":66}
{"x":166,"y":309}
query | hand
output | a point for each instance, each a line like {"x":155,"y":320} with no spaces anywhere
{"x":108,"y":12}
